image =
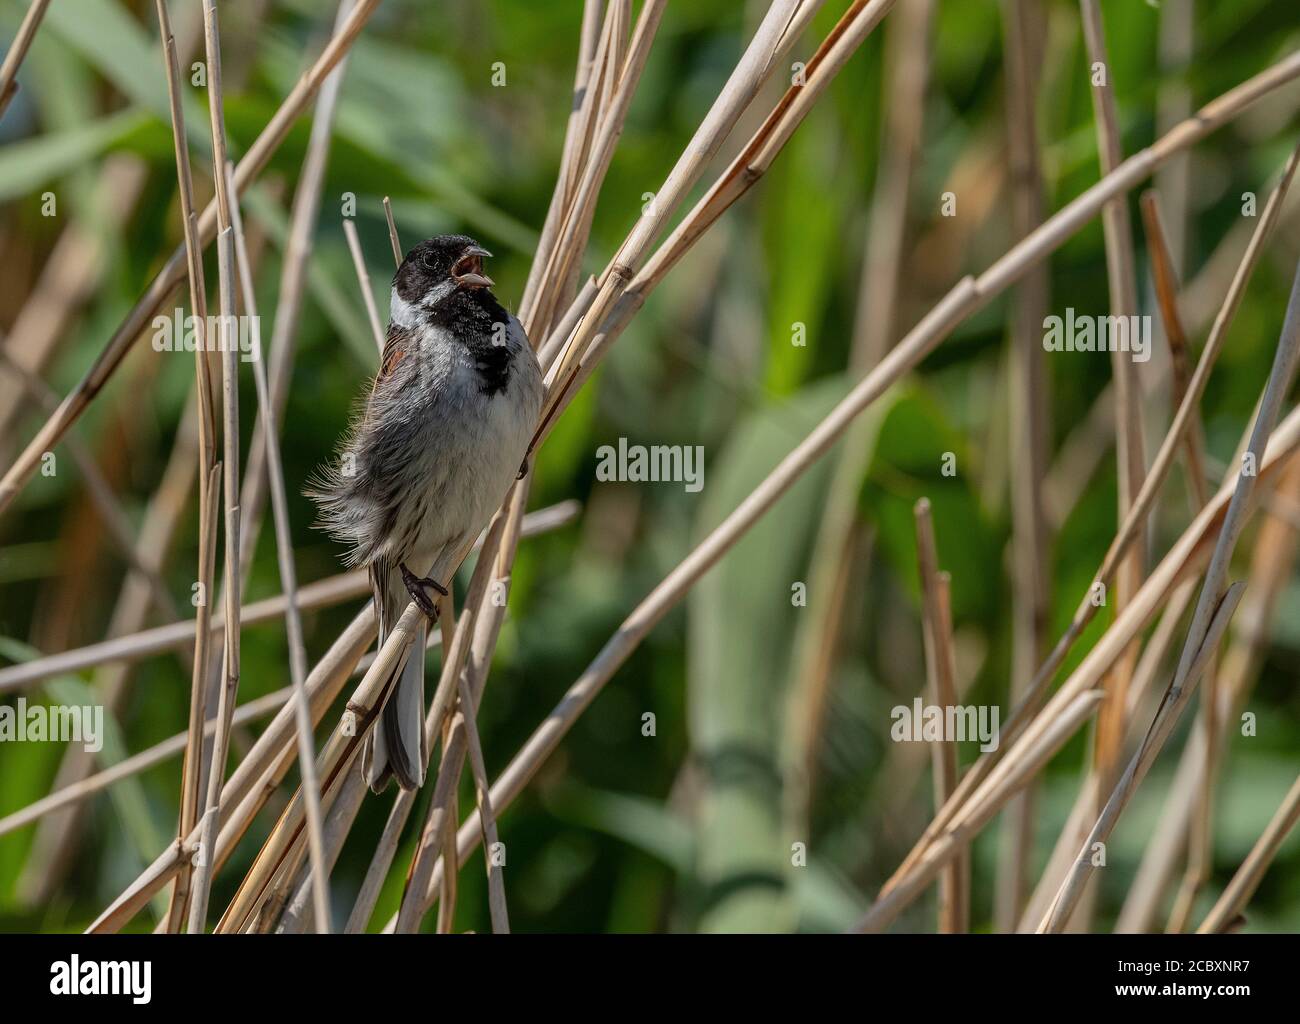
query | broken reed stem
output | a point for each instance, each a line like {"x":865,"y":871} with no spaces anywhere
{"x":288,"y":582}
{"x":392,"y":232}
{"x":1165,"y":279}
{"x":940,"y":669}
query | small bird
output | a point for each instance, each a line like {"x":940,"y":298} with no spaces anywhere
{"x":444,"y":431}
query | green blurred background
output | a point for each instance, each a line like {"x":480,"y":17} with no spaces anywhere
{"x":622,"y":832}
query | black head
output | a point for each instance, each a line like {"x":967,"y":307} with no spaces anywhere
{"x":438,"y":268}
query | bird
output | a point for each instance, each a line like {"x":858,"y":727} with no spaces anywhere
{"x":445,"y":430}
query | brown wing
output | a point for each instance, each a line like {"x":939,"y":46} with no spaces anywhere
{"x":397,"y":345}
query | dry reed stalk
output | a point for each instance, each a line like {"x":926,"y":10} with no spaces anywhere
{"x":1271,"y":565}
{"x":1058,"y":914}
{"x":576,"y":140}
{"x":343,"y":743}
{"x":940,"y":667}
{"x":1035,"y":755}
{"x":117,"y":524}
{"x":288,"y":580}
{"x":853,"y":27}
{"x":69,"y":278}
{"x":133,"y":765}
{"x":469,"y":661}
{"x":453,"y":673}
{"x":321,"y":594}
{"x":288,"y":307}
{"x":1232,"y":904}
{"x":392,"y":232}
{"x":755,"y":65}
{"x":624,"y":289}
{"x":1155,"y":477}
{"x":192,"y":772}
{"x":18,"y":50}
{"x":298,"y":915}
{"x":965,"y":298}
{"x":621,"y":82}
{"x":817,"y":640}
{"x":55,"y":845}
{"x":363,"y":279}
{"x":753,"y":68}
{"x":172,"y":272}
{"x":1085,"y":804}
{"x":410,"y":913}
{"x":1187,"y":553}
{"x":1213,"y":608}
{"x":256,"y":776}
{"x":1166,"y":286}
{"x":497,"y":908}
{"x":1022,"y":31}
{"x":1121,"y":273}
{"x":226,"y":285}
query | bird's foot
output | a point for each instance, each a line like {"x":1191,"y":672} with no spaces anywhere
{"x":416,"y":587}
{"x":523,"y":469}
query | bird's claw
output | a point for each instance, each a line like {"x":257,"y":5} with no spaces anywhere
{"x":415,"y":586}
{"x":523,"y":469}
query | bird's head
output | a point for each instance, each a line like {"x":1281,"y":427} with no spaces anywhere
{"x":438,"y":268}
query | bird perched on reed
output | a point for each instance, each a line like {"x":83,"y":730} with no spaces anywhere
{"x":443,"y":432}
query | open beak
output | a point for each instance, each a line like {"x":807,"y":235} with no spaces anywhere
{"x":468,"y":271}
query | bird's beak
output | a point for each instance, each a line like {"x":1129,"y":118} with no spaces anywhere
{"x":468,"y":271}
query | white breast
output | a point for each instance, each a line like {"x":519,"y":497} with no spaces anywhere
{"x":470,"y":445}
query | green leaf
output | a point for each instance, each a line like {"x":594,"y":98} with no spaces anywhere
{"x":742,"y":627}
{"x":25,"y":166}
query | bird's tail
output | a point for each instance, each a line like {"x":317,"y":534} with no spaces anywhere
{"x":395,"y":747}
